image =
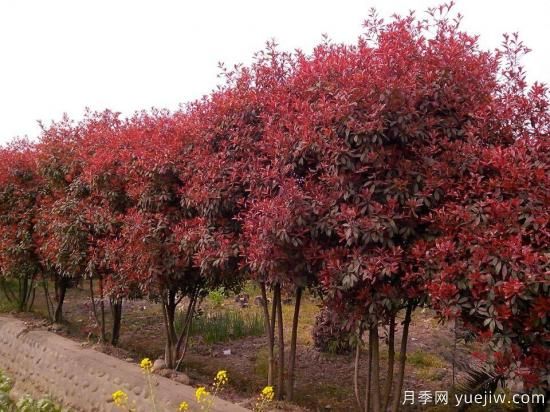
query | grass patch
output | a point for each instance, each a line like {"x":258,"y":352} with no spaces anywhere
{"x":421,"y":359}
{"x":261,"y":364}
{"x":427,"y":366}
{"x":319,"y":396}
{"x":252,"y":289}
{"x":431,"y":374}
{"x":222,"y":326}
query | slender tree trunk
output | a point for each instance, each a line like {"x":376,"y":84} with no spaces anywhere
{"x":402,"y":360}
{"x":186,"y":323}
{"x":186,"y":339}
{"x":375,"y":369}
{"x":281,"y":344}
{"x":186,"y":332}
{"x":368,"y":385}
{"x":56,"y":297}
{"x":273,"y":318}
{"x":116,"y":308}
{"x":23,"y":293}
{"x":168,"y":354}
{"x":92,"y":300}
{"x":454,"y":354}
{"x":171,"y":337}
{"x":29,"y":298}
{"x":171,"y":310}
{"x":100,"y":322}
{"x":171,"y":313}
{"x":391,"y":364}
{"x":102,"y":310}
{"x":33,"y":295}
{"x":356,"y":369}
{"x":61,"y":288}
{"x":269,"y":334}
{"x":47,"y":298}
{"x":293,"y":342}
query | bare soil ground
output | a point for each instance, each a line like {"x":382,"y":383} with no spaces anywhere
{"x":324,"y":381}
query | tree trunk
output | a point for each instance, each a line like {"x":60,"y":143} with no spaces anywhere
{"x":186,"y":324}
{"x":61,"y":285}
{"x":171,"y":338}
{"x":368,"y":385}
{"x":168,"y":352}
{"x":269,"y":334}
{"x":402,"y":360}
{"x":24,"y":293}
{"x":281,"y":343}
{"x":273,"y":318}
{"x":186,"y":331}
{"x":102,"y":311}
{"x":31,"y":303}
{"x":116,"y":308}
{"x":92,"y":300}
{"x":356,"y":369}
{"x":47,"y":298}
{"x":453,"y":383}
{"x":29,"y":298}
{"x":391,"y":364}
{"x":375,"y":389}
{"x":293,"y":342}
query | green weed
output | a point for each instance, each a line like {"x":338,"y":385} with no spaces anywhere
{"x":216,"y":297}
{"x":424,"y":360}
{"x":227,"y":325}
{"x":26,"y":403}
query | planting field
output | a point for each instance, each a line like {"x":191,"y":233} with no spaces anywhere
{"x":324,"y":380}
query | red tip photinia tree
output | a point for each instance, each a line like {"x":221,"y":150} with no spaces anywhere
{"x":20,"y":186}
{"x":490,"y":266}
{"x":370,"y":131}
{"x":63,"y":226}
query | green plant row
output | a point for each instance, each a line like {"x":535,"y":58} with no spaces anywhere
{"x":222,"y":326}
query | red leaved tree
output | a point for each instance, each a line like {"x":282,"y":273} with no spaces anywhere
{"x":491,"y":265}
{"x":365,"y":128}
{"x":63,"y":227}
{"x":20,"y":186}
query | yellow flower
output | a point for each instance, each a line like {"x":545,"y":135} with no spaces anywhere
{"x":184,"y":406}
{"x":221,"y":378}
{"x":120,"y":398}
{"x":201,"y":394}
{"x":268,"y":393}
{"x":146,"y":365}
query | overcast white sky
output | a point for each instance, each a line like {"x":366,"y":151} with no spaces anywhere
{"x":60,"y":56}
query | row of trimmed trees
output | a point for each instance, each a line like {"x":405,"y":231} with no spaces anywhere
{"x":409,"y":169}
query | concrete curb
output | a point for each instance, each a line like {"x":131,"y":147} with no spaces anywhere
{"x":43,"y":363}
